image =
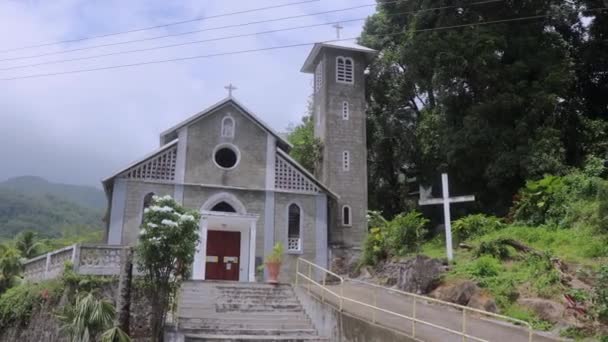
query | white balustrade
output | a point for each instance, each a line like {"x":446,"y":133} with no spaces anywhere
{"x":85,"y":258}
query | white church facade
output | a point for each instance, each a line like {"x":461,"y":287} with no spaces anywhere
{"x":236,"y":171}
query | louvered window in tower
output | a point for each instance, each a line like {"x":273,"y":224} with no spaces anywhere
{"x":345,"y":68}
{"x":294,"y":241}
{"x":319,"y":77}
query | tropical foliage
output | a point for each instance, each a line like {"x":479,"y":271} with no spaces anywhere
{"x":494,"y":105}
{"x":402,"y":235}
{"x":87,"y":318}
{"x":167,"y":243}
{"x":306,"y":148}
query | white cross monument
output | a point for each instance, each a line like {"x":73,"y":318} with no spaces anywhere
{"x":446,"y":200}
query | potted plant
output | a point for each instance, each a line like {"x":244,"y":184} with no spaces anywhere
{"x":273,"y":263}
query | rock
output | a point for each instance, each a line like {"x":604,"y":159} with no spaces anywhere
{"x":364,"y":273}
{"x":419,"y":275}
{"x":459,"y":293}
{"x":483,"y":301}
{"x":546,"y":310}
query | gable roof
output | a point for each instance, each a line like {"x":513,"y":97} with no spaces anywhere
{"x":172,"y":132}
{"x":154,"y":153}
{"x":309,"y":64}
{"x":305,"y":172}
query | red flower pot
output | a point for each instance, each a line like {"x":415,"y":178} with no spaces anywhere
{"x":273,"y":272}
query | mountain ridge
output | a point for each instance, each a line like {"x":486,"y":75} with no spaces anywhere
{"x":50,"y":209}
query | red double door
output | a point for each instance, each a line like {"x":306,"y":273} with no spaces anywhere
{"x":223,"y":255}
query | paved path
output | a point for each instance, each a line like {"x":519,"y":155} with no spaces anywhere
{"x":448,"y":317}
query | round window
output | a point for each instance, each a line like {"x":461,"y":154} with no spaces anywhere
{"x":226,"y":157}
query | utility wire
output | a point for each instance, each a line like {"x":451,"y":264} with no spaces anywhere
{"x":241,"y":25}
{"x":218,"y":39}
{"x":159,"y":26}
{"x":280,"y":47}
{"x":181,"y":44}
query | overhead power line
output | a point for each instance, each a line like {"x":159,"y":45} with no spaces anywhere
{"x":181,"y":44}
{"x":241,"y":25}
{"x":159,"y":26}
{"x":221,"y":38}
{"x":280,"y":47}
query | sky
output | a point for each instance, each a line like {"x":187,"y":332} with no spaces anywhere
{"x":79,"y":128}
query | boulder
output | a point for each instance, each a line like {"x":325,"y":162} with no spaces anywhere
{"x":546,"y":310}
{"x":483,"y":301}
{"x":419,"y":275}
{"x":459,"y":293}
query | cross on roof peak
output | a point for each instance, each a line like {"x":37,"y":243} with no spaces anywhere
{"x":338,"y":28}
{"x":230,"y":88}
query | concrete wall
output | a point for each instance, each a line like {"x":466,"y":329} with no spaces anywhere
{"x":136,"y":191}
{"x":307,"y":205}
{"x":342,"y":327}
{"x":204,"y":136}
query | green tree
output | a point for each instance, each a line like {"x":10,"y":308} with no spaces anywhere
{"x":10,"y":267}
{"x":89,"y":319}
{"x":491,"y":104}
{"x":306,"y":148}
{"x":26,"y":242}
{"x":166,"y":248}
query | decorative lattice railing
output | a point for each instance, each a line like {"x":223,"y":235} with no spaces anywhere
{"x":160,"y":167}
{"x":85,"y":259}
{"x":287,"y":177}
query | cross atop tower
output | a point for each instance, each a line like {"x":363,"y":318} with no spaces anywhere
{"x":338,"y":28}
{"x":230,"y":88}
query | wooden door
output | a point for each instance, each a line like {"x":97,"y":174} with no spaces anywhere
{"x":223,"y":255}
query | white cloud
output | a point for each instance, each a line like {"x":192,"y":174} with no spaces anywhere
{"x":79,"y":128}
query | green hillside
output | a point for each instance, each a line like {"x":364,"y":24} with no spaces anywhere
{"x":85,"y":196}
{"x":52,"y":210}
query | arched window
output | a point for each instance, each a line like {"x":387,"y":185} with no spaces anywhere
{"x":345,"y":110}
{"x":345,"y":69}
{"x":345,"y":161}
{"x":223,"y":207}
{"x":346,"y":216}
{"x":147,"y":202}
{"x":294,"y":240}
{"x":228,"y":127}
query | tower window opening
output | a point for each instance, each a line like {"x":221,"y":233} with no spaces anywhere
{"x":346,"y":161}
{"x":345,"y":70}
{"x":346,"y":216}
{"x":345,"y":110}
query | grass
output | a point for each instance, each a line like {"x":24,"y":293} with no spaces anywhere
{"x":583,"y":245}
{"x":18,"y":303}
{"x":524,"y":275}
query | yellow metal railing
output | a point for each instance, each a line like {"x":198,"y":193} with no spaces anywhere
{"x":326,"y":294}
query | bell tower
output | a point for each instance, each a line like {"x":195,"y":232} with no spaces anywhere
{"x":339,"y":122}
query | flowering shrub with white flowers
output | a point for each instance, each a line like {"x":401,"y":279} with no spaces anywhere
{"x":167,"y":242}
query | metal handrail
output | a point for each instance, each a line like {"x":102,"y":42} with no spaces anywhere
{"x":341,"y":298}
{"x":442,"y":302}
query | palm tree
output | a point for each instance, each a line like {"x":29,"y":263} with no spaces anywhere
{"x":10,"y":267}
{"x":26,"y":243}
{"x":88,"y":317}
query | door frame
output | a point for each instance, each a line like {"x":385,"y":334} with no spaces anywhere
{"x":245,"y":224}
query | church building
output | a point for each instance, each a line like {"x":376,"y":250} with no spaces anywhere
{"x":236,"y":171}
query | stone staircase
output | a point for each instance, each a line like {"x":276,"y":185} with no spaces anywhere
{"x":231,"y":311}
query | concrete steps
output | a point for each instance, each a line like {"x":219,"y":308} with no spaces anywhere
{"x":226,"y":311}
